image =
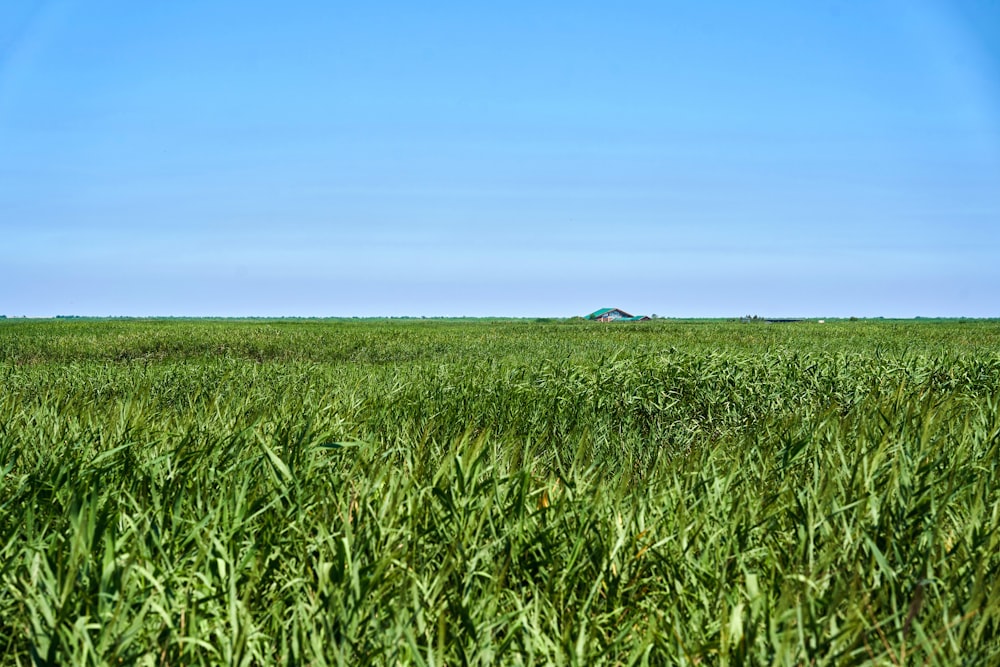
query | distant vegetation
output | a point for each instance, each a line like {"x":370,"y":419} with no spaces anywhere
{"x":520,"y":492}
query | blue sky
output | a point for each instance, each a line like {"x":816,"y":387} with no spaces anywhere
{"x":688,"y":159}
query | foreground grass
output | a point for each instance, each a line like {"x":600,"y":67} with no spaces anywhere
{"x":505,"y":493}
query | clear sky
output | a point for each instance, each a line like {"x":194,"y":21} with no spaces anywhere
{"x":827,"y":158}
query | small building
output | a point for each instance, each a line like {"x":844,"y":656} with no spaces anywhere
{"x":615,"y":315}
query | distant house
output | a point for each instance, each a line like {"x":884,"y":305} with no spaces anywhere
{"x":615,"y":315}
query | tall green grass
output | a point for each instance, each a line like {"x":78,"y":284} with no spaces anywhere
{"x":197,"y":492}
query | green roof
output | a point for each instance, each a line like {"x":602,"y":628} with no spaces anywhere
{"x":626,"y":317}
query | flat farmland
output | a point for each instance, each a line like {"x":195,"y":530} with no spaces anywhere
{"x":443,"y":492}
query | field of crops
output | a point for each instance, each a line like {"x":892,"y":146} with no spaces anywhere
{"x":178,"y":492}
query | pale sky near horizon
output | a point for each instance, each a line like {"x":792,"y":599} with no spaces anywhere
{"x":690,"y":159}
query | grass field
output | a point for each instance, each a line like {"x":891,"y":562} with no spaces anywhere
{"x":178,"y":492}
